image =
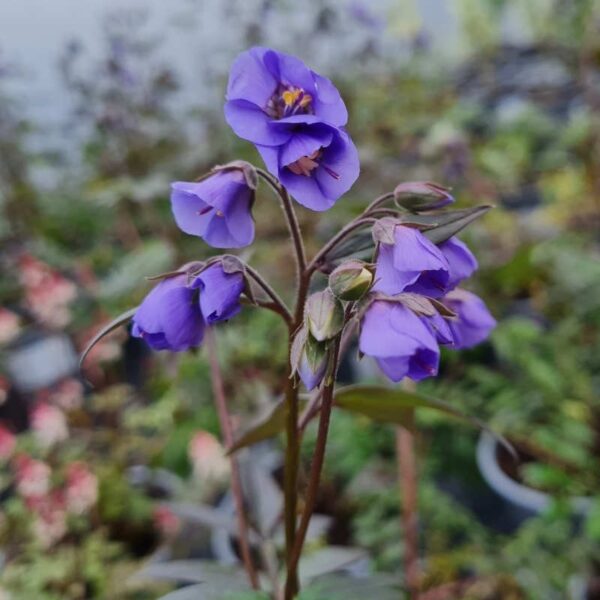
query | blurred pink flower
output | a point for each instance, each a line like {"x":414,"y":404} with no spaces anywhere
{"x":8,"y":441}
{"x":208,"y":458}
{"x":47,"y":293}
{"x":49,"y":424}
{"x":68,"y":394}
{"x":166,"y":521}
{"x":81,"y":491}
{"x":32,"y":477}
{"x":9,"y":325}
{"x":49,"y":518}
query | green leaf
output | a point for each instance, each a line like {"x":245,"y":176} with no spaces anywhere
{"x":393,"y":405}
{"x":207,"y":516}
{"x":219,"y":582}
{"x":264,"y":427}
{"x":120,"y":320}
{"x":451,"y":222}
{"x":328,"y":560}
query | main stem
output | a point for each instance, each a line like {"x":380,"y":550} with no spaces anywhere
{"x":407,"y":476}
{"x":292,"y":451}
{"x":315,"y":472}
{"x":227,"y":432}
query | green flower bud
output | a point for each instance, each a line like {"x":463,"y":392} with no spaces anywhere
{"x":351,"y":280}
{"x":324,"y":315}
{"x":422,"y":195}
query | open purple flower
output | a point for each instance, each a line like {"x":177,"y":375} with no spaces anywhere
{"x":219,"y":293}
{"x":401,"y":343}
{"x":460,"y":259}
{"x":295,"y":117}
{"x":217,"y":209}
{"x":169,"y":318}
{"x":473,"y":322}
{"x":411,"y":264}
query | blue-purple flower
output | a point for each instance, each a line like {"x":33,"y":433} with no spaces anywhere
{"x":473,"y":322}
{"x":174,"y":314}
{"x":461,"y":261}
{"x":219,"y":293}
{"x":217,"y":209}
{"x":296,"y":119}
{"x":411,"y":264}
{"x":169,"y":318}
{"x":401,"y":343}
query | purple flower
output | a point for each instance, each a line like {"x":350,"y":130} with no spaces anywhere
{"x":440,"y":328}
{"x":219,"y":293}
{"x":411,"y":264}
{"x":401,"y":343}
{"x":460,"y":259}
{"x":474,"y":321}
{"x":316,"y":166}
{"x":295,"y":117}
{"x":217,"y":209}
{"x":174,"y":314}
{"x":169,"y":318}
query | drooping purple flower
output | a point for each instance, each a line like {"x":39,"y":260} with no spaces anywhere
{"x":440,"y":328}
{"x":219,"y":293}
{"x":460,"y":259}
{"x":169,"y":318}
{"x":411,"y":264}
{"x":473,"y":323}
{"x":217,"y":209}
{"x":174,"y":314}
{"x":401,"y":343}
{"x":295,"y":117}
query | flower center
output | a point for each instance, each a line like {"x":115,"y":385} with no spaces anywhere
{"x":207,"y":209}
{"x":307,"y":164}
{"x":289,"y":100}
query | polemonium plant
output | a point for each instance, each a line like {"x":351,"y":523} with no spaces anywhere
{"x":402,"y":301}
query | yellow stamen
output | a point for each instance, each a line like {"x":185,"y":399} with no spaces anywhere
{"x":219,"y":213}
{"x":306,"y":100}
{"x":290,"y":96}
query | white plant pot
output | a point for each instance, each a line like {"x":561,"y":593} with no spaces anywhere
{"x":510,"y":490}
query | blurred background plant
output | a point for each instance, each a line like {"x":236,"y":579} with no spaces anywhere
{"x":500,"y":99}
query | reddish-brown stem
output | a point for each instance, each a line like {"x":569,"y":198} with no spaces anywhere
{"x":314,"y":403}
{"x":334,"y":241}
{"x":227,"y":433}
{"x":315,"y":469}
{"x":407,"y":476}
{"x":277,"y":304}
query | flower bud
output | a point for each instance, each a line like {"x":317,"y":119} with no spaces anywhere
{"x":324,"y":315}
{"x":422,"y":195}
{"x":309,"y":358}
{"x":351,"y":280}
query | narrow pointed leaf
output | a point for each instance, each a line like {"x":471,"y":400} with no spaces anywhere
{"x":264,"y":427}
{"x":120,"y":320}
{"x":208,"y":516}
{"x":390,"y":405}
{"x":451,"y":222}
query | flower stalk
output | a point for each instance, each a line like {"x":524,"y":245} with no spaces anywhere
{"x":227,"y":433}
